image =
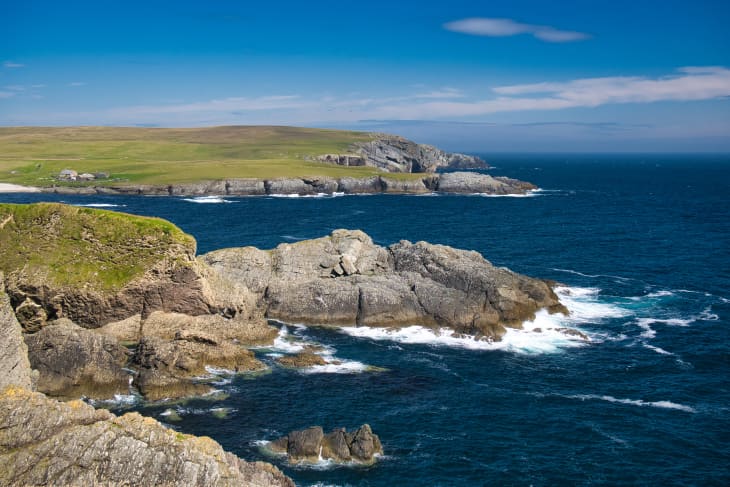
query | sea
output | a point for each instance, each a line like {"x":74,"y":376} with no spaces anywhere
{"x":640,"y":245}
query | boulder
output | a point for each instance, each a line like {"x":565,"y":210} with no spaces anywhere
{"x":73,"y":362}
{"x":173,"y":368}
{"x":46,"y":442}
{"x":473,"y":182}
{"x":312,"y":445}
{"x":302,"y":360}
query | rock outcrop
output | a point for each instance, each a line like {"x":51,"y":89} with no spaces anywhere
{"x":173,"y":368}
{"x":15,"y":368}
{"x":312,"y":445}
{"x":392,"y":153}
{"x":473,"y":182}
{"x":96,"y":267}
{"x":344,"y":279}
{"x":74,"y":362}
{"x":46,"y":442}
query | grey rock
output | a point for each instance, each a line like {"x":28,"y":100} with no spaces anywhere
{"x":14,"y":365}
{"x":169,"y":368}
{"x":311,"y":445}
{"x":245,"y":187}
{"x":46,"y":442}
{"x":367,"y":185}
{"x":472,"y":182}
{"x":73,"y":361}
{"x":345,"y":279}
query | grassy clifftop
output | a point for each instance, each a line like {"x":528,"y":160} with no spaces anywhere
{"x":67,"y":245}
{"x":35,"y":155}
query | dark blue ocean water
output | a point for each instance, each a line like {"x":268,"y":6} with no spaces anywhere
{"x":643,"y":242}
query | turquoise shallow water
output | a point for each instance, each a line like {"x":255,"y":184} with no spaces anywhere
{"x":642,"y":244}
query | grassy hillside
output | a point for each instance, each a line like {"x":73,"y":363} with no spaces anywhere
{"x":67,"y":245}
{"x":35,"y":155}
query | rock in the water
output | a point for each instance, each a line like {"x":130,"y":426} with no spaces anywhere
{"x":73,"y":362}
{"x":473,"y":182}
{"x":301,"y":360}
{"x":14,"y":365}
{"x":312,"y":445}
{"x":345,"y":279}
{"x":169,"y":368}
{"x":46,"y":442}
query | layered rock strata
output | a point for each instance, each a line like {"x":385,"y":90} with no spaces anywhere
{"x":46,"y":442}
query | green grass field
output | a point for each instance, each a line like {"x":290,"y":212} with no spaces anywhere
{"x":33,"y":156}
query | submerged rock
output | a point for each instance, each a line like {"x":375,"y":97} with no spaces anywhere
{"x":345,"y":279}
{"x":46,"y":442}
{"x":312,"y":445}
{"x":301,"y":360}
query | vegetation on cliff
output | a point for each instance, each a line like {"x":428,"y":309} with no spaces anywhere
{"x":84,"y":247}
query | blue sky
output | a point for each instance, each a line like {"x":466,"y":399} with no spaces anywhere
{"x":468,"y":75}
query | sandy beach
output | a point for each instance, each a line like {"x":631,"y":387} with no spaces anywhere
{"x":16,"y":188}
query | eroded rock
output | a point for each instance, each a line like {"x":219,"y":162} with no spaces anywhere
{"x":46,"y":442}
{"x":312,"y":445}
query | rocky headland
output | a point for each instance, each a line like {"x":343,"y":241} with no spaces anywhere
{"x":95,"y":303}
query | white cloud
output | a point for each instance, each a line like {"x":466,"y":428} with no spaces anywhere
{"x":77,"y":83}
{"x":234,"y":104}
{"x":11,"y":65}
{"x":7,"y":94}
{"x":15,"y":87}
{"x":491,"y":27}
{"x":443,"y":93}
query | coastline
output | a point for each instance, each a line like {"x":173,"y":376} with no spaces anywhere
{"x":453,"y":182}
{"x":16,"y":188}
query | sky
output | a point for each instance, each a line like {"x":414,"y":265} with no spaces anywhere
{"x":478,"y":76}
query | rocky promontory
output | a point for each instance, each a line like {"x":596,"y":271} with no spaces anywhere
{"x":345,"y":280}
{"x":392,"y":153}
{"x":312,"y":445}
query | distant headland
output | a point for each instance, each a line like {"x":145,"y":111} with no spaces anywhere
{"x":234,"y":160}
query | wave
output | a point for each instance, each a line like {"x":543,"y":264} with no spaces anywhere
{"x":546,"y":333}
{"x":207,"y":199}
{"x":337,"y":366}
{"x":635,"y":402}
{"x":99,"y":205}
{"x":118,"y":401}
{"x":336,"y":194}
{"x":658,"y":350}
{"x":530,"y":194}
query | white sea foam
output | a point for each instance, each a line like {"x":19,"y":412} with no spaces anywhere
{"x":283,"y":343}
{"x":119,"y":400}
{"x":660,"y":294}
{"x":658,"y":350}
{"x":337,"y":366}
{"x":207,"y":199}
{"x":547,"y":333}
{"x":100,"y":205}
{"x":635,"y":402}
{"x":529,"y":194}
{"x":317,"y":195}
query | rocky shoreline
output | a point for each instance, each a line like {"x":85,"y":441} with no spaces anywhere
{"x":137,"y":308}
{"x":463,"y":182}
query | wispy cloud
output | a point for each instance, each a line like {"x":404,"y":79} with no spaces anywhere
{"x":11,"y":65}
{"x":443,"y":93}
{"x":492,"y":27}
{"x":15,"y":87}
{"x":77,"y":83}
{"x":238,"y":104}
{"x":7,"y":94}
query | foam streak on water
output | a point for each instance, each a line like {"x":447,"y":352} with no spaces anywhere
{"x":635,"y":402}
